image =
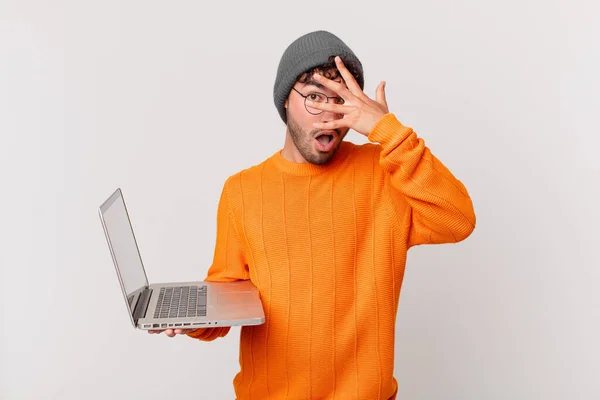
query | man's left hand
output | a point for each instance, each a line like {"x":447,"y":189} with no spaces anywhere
{"x":361,"y":113}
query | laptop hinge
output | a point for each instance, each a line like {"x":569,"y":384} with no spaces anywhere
{"x":142,"y":304}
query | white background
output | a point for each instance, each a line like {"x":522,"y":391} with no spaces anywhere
{"x":167,"y":99}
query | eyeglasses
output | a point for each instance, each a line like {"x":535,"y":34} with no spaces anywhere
{"x":317,"y":97}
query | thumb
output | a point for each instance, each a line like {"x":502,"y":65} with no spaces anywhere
{"x":380,"y":94}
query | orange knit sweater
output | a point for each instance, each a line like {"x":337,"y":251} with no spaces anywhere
{"x":326,"y":246}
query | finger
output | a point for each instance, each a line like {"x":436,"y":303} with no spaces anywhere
{"x":348,"y":77}
{"x":336,"y":108}
{"x":380,"y":94}
{"x":170,"y":332}
{"x":336,"y":87}
{"x":338,"y":123}
{"x":182,"y":331}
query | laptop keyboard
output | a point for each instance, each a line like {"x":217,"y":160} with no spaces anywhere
{"x":181,"y":301}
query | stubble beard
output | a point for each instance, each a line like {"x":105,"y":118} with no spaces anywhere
{"x":304,"y":143}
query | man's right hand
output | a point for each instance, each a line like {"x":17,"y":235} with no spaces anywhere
{"x":171,"y":332}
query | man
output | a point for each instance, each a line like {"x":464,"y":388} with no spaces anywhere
{"x":322,"y":228}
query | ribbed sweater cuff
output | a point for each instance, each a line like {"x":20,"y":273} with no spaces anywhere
{"x":387,"y":129}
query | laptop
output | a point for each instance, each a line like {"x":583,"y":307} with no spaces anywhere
{"x":172,"y":305}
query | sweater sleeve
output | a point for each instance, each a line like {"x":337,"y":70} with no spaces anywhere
{"x":229,"y":263}
{"x":441,"y":210}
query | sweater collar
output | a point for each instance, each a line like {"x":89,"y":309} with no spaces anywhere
{"x":306,"y":169}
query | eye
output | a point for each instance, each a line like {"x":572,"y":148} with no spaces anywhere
{"x":338,"y":100}
{"x":316,"y":97}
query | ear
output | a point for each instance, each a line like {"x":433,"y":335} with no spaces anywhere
{"x":285,"y":105}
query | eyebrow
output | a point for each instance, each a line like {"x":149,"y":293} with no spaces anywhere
{"x":314,"y":83}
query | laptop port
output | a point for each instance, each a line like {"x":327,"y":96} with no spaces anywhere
{"x":155,"y":326}
{"x":177,"y":324}
{"x":187,"y":324}
{"x":163,"y":325}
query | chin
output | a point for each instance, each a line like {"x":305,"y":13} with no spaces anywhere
{"x":320,"y":161}
{"x":320,"y":158}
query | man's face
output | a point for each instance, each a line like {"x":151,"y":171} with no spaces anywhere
{"x":315,"y":145}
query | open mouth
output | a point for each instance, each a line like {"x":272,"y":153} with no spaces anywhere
{"x":325,"y":140}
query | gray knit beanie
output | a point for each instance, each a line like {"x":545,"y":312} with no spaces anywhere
{"x":308,"y":51}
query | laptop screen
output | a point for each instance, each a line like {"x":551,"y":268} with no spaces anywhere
{"x":123,"y":245}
